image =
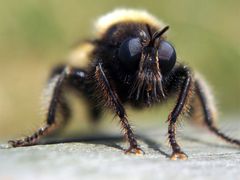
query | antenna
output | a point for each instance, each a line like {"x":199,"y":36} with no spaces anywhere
{"x":157,"y":34}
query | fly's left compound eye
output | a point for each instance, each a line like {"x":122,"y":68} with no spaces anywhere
{"x":130,"y":53}
{"x":167,"y":57}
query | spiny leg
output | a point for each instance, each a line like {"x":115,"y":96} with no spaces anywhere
{"x":56,"y":101}
{"x":182,"y":102}
{"x":201,"y":92}
{"x":50,"y":122}
{"x":113,"y":102}
{"x":64,"y":107}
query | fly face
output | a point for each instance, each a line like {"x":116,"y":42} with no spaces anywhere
{"x":150,"y":57}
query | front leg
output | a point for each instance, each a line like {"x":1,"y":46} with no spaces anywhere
{"x":112,"y":101}
{"x":184,"y":79}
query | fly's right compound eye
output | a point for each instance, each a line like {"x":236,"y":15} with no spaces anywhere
{"x":130,"y":53}
{"x":167,"y":56}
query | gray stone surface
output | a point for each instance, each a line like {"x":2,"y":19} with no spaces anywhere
{"x":101,"y":157}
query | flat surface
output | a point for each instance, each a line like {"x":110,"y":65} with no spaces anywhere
{"x":101,"y":157}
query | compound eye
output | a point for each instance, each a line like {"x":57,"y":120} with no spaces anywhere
{"x":167,"y":57}
{"x":130,"y":53}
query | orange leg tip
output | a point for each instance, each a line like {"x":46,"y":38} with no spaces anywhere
{"x":137,"y":151}
{"x":178,"y":155}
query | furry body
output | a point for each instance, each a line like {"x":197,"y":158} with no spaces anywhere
{"x":131,"y":62}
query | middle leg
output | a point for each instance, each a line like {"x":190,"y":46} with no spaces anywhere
{"x":56,"y":102}
{"x":207,"y":106}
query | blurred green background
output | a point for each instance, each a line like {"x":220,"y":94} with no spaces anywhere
{"x":35,"y":35}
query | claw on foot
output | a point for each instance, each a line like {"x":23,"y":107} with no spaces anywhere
{"x":135,"y":150}
{"x":16,"y":143}
{"x":178,"y":155}
{"x":20,"y":143}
